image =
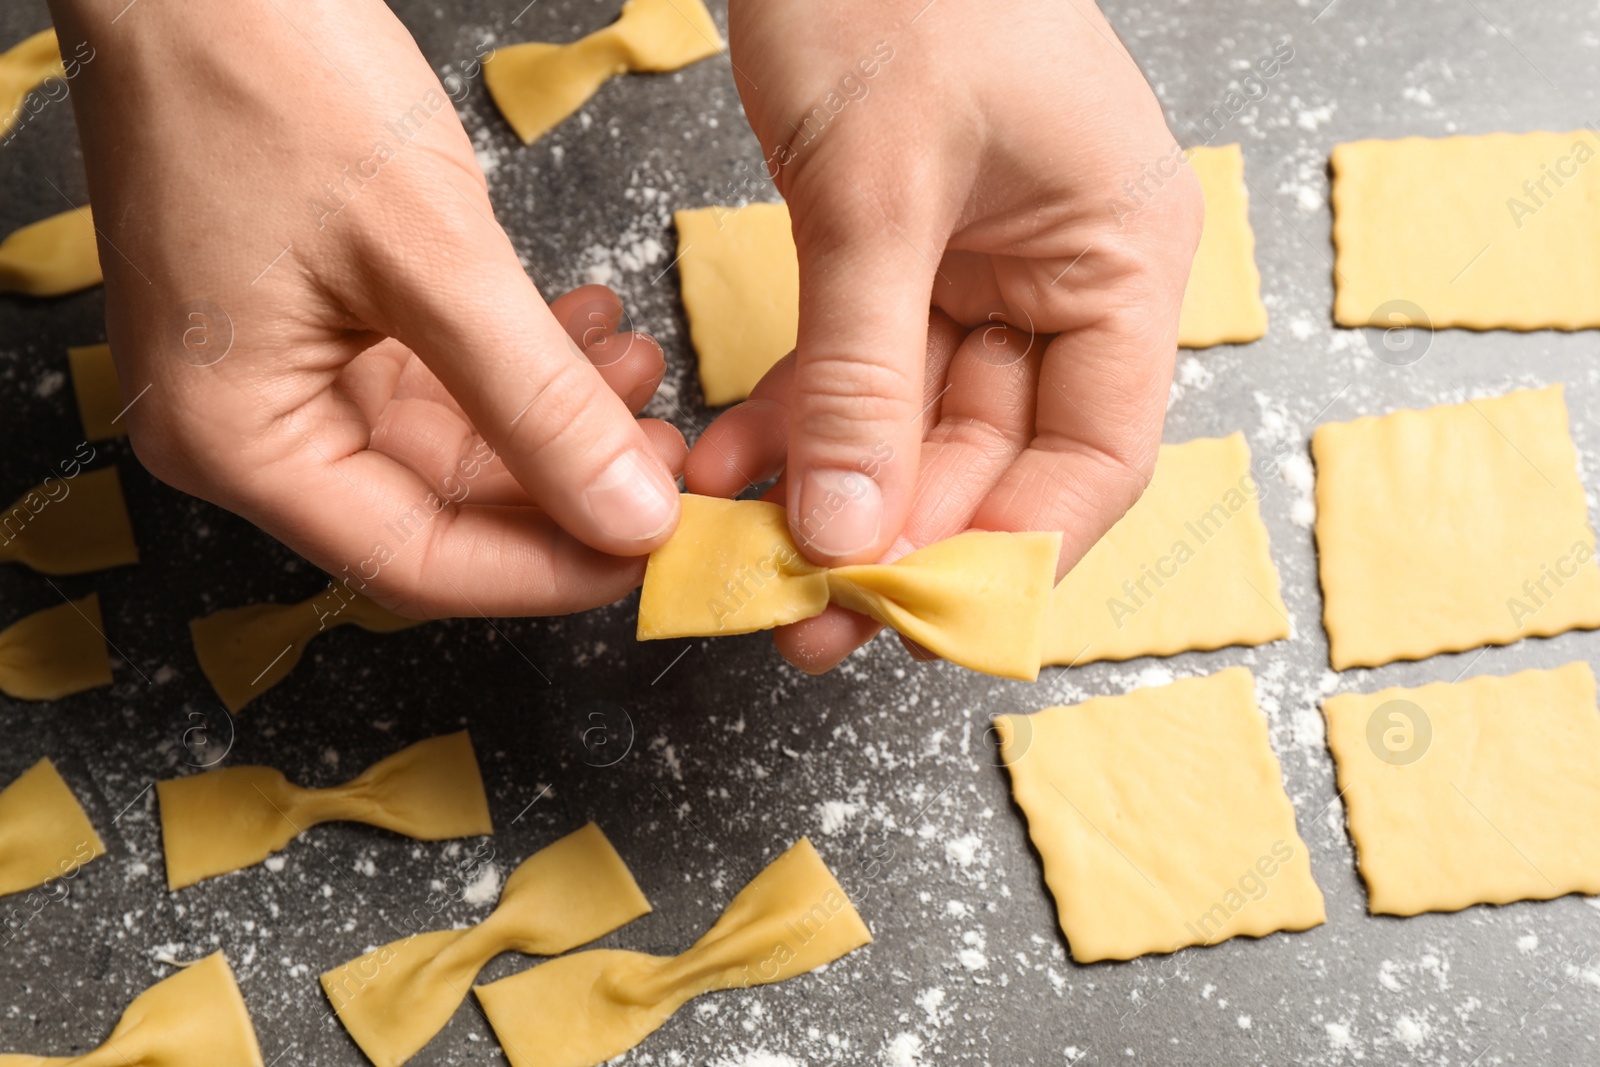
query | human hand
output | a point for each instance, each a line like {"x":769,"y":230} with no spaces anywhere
{"x":988,"y":164}
{"x":319,"y":324}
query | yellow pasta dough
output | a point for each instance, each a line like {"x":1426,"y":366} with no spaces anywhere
{"x":1222,"y":304}
{"x":1446,"y":529}
{"x":44,"y":832}
{"x":246,"y":651}
{"x":741,"y":293}
{"x":1161,"y":819}
{"x":537,"y":85}
{"x":225,"y":820}
{"x":978,"y":599}
{"x":70,"y":525}
{"x":51,"y":257}
{"x":584,"y":1009}
{"x":394,"y":999}
{"x":196,"y":1018}
{"x":55,"y":652}
{"x":1188,"y":567}
{"x":741,"y":280}
{"x":1489,"y":232}
{"x":23,"y":68}
{"x":99,"y":393}
{"x":1478,"y":792}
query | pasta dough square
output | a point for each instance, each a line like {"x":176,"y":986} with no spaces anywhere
{"x":1479,"y":792}
{"x":1222,"y":304}
{"x":741,"y":292}
{"x":1490,"y":232}
{"x":98,"y":391}
{"x":1161,"y":819}
{"x":1450,"y":528}
{"x":1188,"y":567}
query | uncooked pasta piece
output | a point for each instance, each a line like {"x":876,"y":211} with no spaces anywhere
{"x":394,"y":999}
{"x":584,"y":1009}
{"x":23,"y":68}
{"x":1188,"y":567}
{"x":246,"y":651}
{"x":196,"y":1018}
{"x":55,"y":652}
{"x":979,"y":599}
{"x":1160,"y":818}
{"x":1489,"y":232}
{"x":1222,"y":304}
{"x":70,"y":525}
{"x":99,"y":393}
{"x":537,"y":85}
{"x":44,"y":832}
{"x":225,"y":820}
{"x":1477,"y":792}
{"x":1450,"y":528}
{"x":51,"y":257}
{"x":741,"y":293}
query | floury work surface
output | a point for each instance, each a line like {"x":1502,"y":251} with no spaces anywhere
{"x":702,"y":760}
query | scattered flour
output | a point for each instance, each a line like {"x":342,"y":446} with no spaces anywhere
{"x":1527,"y":943}
{"x":485,"y":888}
{"x":903,"y":1050}
{"x":834,"y":815}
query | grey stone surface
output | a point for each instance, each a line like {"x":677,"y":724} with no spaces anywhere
{"x":730,"y":755}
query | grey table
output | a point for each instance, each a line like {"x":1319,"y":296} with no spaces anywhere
{"x":730,"y":755}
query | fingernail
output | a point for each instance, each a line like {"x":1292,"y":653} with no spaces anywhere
{"x":631,"y":501}
{"x":840,"y":512}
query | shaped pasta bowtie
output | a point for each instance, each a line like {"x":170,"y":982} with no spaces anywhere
{"x":70,"y":525}
{"x":23,"y":68}
{"x":225,"y":820}
{"x":537,"y":85}
{"x":51,"y":257}
{"x":44,"y":833}
{"x":246,"y":651}
{"x":980,"y":599}
{"x":55,"y":652}
{"x":196,"y":1018}
{"x":395,"y":999}
{"x":584,"y":1009}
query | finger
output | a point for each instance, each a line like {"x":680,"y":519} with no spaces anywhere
{"x":855,"y":414}
{"x":588,"y":313}
{"x":478,"y":323}
{"x":986,"y":419}
{"x":632,"y":364}
{"x":1102,"y":399}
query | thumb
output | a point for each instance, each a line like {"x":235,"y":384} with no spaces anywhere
{"x":568,"y":439}
{"x":854,"y":425}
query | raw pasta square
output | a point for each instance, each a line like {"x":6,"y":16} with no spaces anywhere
{"x":1487,"y":232}
{"x":741,"y":292}
{"x":1188,"y":567}
{"x":1161,"y":819}
{"x":1446,"y":529}
{"x":1478,"y":792}
{"x":1222,"y":304}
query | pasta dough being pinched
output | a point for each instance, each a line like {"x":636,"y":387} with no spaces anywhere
{"x":1477,"y":792}
{"x":1188,"y":567}
{"x":1161,"y":819}
{"x":44,"y":833}
{"x":978,"y":599}
{"x":394,"y":999}
{"x":1490,"y":232}
{"x":225,"y":820}
{"x":196,"y":1018}
{"x":584,"y":1009}
{"x":1446,"y":529}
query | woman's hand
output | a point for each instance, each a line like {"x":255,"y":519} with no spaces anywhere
{"x":320,"y":325}
{"x":1010,"y":166}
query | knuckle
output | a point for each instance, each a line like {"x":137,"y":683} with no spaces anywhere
{"x":555,"y":411}
{"x":839,"y":396}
